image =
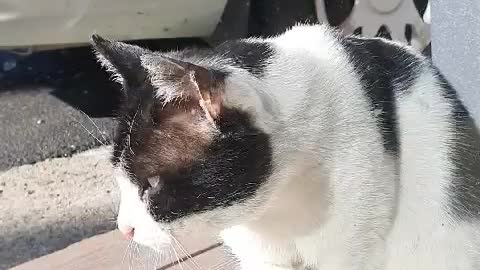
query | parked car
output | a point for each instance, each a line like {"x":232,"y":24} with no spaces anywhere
{"x":60,"y":23}
{"x":44,"y":24}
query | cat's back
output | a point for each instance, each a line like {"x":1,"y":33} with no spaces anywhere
{"x":422,"y":120}
{"x":424,"y":128}
{"x":424,"y":125}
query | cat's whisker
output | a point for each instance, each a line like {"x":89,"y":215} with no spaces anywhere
{"x":185,"y":252}
{"x":220,"y":264}
{"x":148,"y":258}
{"x":147,"y":261}
{"x":176,"y":258}
{"x":156,"y":257}
{"x":137,"y":255}
{"x":179,"y":260}
{"x":89,"y":132}
{"x":170,"y":255}
{"x":125,"y":253}
{"x":129,"y":135}
{"x":133,"y":256}
{"x":95,"y":125}
{"x":128,"y":258}
{"x":141,"y":259}
{"x":223,"y":264}
{"x":228,"y":261}
{"x":183,"y":260}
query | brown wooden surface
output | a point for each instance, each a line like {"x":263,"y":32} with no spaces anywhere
{"x":108,"y":251}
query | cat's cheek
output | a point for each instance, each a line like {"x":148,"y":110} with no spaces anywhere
{"x":133,"y":213}
{"x":153,"y":236}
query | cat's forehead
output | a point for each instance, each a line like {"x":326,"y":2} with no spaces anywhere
{"x":150,"y":143}
{"x":155,"y":133}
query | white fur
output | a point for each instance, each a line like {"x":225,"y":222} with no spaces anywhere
{"x":335,"y":200}
{"x":133,"y":213}
{"x":116,"y":77}
{"x":358,"y":219}
{"x":331,"y":229}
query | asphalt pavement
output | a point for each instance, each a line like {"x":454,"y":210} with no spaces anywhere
{"x":36,"y":125}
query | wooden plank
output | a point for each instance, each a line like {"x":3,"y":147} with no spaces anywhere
{"x":108,"y":252}
{"x":213,"y":259}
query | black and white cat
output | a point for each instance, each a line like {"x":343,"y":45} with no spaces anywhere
{"x":308,"y":150}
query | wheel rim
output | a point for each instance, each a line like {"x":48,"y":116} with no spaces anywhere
{"x":399,"y":17}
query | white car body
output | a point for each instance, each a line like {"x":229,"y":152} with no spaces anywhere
{"x":27,"y":23}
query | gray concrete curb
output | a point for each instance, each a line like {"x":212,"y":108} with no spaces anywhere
{"x":47,"y":206}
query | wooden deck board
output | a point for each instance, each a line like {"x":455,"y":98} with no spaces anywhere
{"x":214,"y":259}
{"x":107,"y":252}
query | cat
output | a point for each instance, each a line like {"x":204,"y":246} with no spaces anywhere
{"x":306,"y":150}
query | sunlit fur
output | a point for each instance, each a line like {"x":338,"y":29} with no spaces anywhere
{"x":335,"y":199}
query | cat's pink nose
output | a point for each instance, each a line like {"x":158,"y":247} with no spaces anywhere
{"x":128,"y":232}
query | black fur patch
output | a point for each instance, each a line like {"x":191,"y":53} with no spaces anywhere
{"x":385,"y":70}
{"x":235,"y":165}
{"x":465,"y":188}
{"x":218,"y":173}
{"x":131,"y":118}
{"x":199,"y":169}
{"x":252,"y":56}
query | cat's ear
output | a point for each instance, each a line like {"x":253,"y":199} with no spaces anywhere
{"x":179,"y":80}
{"x":120,"y":59}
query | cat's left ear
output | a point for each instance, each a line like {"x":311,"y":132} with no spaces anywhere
{"x":120,"y":59}
{"x":176,"y":80}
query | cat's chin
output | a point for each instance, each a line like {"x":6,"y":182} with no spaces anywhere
{"x":153,"y":237}
{"x":156,"y":244}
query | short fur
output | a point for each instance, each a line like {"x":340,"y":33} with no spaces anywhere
{"x":307,"y":150}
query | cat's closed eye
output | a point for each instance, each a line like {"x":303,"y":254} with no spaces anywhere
{"x":155,"y":184}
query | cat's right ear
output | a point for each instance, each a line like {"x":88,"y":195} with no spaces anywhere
{"x":120,"y":59}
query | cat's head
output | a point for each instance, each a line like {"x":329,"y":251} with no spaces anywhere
{"x":185,"y":147}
